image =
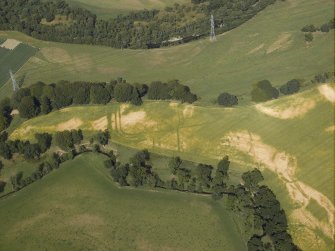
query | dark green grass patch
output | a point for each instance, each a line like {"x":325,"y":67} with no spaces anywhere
{"x":14,"y":60}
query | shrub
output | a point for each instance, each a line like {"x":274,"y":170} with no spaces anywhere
{"x":290,"y":87}
{"x":103,"y":137}
{"x":308,"y":28}
{"x":322,"y":77}
{"x":325,"y":28}
{"x":264,"y":91}
{"x":309,"y":37}
{"x":226,"y":99}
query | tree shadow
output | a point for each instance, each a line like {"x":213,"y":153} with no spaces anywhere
{"x":2,"y":186}
{"x":20,"y":79}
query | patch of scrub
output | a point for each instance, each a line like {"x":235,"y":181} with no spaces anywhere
{"x":100,"y":124}
{"x":56,"y":55}
{"x":10,"y":44}
{"x":327,"y":92}
{"x":72,"y":124}
{"x":285,"y":165}
{"x":282,"y":43}
{"x":298,"y":107}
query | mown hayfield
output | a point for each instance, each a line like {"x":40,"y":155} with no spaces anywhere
{"x":13,"y":59}
{"x":78,"y":207}
{"x":111,"y":8}
{"x":270,"y":46}
{"x":291,"y":139}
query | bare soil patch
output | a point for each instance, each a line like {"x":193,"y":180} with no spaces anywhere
{"x":100,"y":124}
{"x":298,"y":107}
{"x":330,"y":129}
{"x":10,"y":44}
{"x":188,"y":111}
{"x":133,"y":118}
{"x":327,"y":92}
{"x":285,"y":165}
{"x":261,"y":46}
{"x":72,"y":124}
{"x":283,"y":42}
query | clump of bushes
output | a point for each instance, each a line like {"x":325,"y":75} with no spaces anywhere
{"x":310,"y":28}
{"x":5,"y":111}
{"x":323,"y":77}
{"x":264,"y":91}
{"x":290,"y":87}
{"x":67,"y":139}
{"x":171,"y":90}
{"x":227,"y":99}
{"x":309,"y":37}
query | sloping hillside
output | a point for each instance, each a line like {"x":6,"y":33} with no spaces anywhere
{"x":78,"y":207}
{"x":270,"y":46}
{"x":291,"y":139}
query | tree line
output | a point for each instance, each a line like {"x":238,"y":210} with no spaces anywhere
{"x":261,"y":91}
{"x":138,"y":29}
{"x":40,"y":98}
{"x":69,"y":142}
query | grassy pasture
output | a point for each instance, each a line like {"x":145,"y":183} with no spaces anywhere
{"x":270,"y":46}
{"x":13,"y":59}
{"x":13,"y":167}
{"x":111,"y":8}
{"x":78,"y":207}
{"x":296,"y":150}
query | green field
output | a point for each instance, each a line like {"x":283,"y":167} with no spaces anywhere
{"x":290,"y":139}
{"x":270,"y":46}
{"x":287,"y":138}
{"x":13,"y":59}
{"x":111,"y":8}
{"x":78,"y":207}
